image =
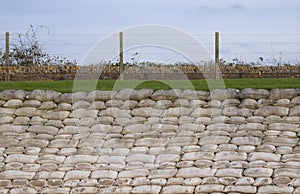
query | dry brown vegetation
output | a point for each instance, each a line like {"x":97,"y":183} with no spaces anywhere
{"x":68,"y":72}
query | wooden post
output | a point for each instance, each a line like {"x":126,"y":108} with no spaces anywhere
{"x":7,"y":56}
{"x":217,"y":60}
{"x":121,"y":51}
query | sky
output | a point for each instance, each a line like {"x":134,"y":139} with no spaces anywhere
{"x":237,"y":19}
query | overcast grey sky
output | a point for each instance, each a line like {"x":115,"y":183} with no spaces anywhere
{"x":193,"y":16}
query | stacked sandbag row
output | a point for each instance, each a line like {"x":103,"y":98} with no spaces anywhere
{"x":145,"y":141}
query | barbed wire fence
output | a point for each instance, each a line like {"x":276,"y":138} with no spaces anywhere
{"x":232,"y":46}
{"x":247,"y":48}
{"x":235,"y":49}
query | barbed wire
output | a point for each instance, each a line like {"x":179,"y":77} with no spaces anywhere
{"x":232,"y":45}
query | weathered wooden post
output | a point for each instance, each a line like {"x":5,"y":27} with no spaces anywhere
{"x":7,"y":56}
{"x":121,"y":56}
{"x":217,"y":59}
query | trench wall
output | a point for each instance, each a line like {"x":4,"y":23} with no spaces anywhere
{"x":145,"y":141}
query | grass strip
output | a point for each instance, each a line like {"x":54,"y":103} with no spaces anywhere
{"x":89,"y":85}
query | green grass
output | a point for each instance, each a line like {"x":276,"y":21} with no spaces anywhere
{"x":264,"y":83}
{"x":89,"y":85}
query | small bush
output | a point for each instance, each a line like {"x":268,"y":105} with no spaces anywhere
{"x":28,"y":51}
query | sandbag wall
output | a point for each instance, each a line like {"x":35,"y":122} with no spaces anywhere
{"x":145,"y":141}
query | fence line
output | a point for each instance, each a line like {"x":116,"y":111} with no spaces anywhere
{"x":234,"y":49}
